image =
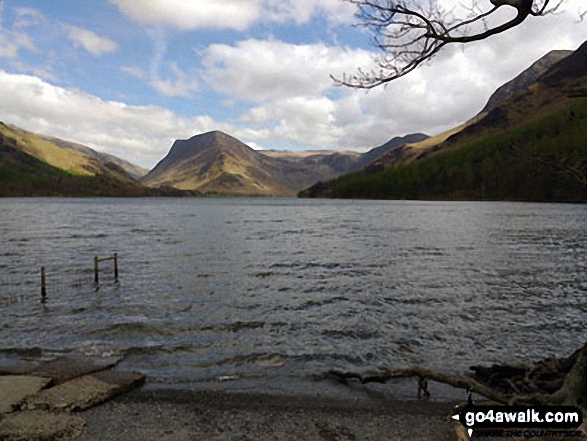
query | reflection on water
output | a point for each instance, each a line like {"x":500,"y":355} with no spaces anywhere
{"x":254,"y":287}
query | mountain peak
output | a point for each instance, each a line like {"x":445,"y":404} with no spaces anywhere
{"x":216,"y":135}
{"x":573,"y":66}
{"x":526,"y":78}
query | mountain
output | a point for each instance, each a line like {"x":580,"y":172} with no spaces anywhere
{"x":389,"y":146}
{"x":133,"y":170}
{"x":414,"y":151}
{"x":525,"y":79}
{"x":217,"y":163}
{"x":529,"y":147}
{"x":32,"y":165}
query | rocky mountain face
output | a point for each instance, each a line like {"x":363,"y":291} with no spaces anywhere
{"x":217,"y":163}
{"x":525,"y":79}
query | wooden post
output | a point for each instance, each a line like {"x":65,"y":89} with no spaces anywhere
{"x":115,"y":266}
{"x":43,"y":286}
{"x":96,"y":278}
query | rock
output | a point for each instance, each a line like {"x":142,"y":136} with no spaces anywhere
{"x":15,"y":388}
{"x":84,"y":392}
{"x":124,"y":380}
{"x":40,"y":426}
{"x":61,"y":369}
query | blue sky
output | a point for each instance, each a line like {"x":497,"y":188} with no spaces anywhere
{"x":128,"y":77}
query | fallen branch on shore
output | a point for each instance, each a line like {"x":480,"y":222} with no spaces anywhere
{"x":550,"y":381}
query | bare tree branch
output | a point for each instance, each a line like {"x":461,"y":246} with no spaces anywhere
{"x":549,"y":381}
{"x":408,"y":32}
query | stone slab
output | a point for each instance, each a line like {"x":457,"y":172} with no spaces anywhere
{"x":61,"y":369}
{"x":15,"y":388}
{"x":84,"y":392}
{"x":64,"y":369}
{"x":125,"y":380}
{"x":40,"y":426}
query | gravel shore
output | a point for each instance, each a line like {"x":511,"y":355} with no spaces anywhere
{"x":179,"y":414}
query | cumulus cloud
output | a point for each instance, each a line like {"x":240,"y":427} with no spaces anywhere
{"x":192,"y":14}
{"x":257,"y":70}
{"x":294,"y":99}
{"x":142,"y":134}
{"x":230,"y":14}
{"x":90,"y":41}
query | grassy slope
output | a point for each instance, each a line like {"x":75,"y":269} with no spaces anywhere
{"x":544,"y":159}
{"x":22,"y":174}
{"x":44,"y":150}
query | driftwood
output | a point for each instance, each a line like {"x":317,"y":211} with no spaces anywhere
{"x":550,"y":381}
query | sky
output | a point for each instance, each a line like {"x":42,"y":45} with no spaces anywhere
{"x":128,"y":77}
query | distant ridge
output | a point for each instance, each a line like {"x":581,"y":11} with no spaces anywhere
{"x":217,"y":163}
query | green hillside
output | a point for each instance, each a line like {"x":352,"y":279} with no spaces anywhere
{"x":21,"y":174}
{"x":544,"y":159}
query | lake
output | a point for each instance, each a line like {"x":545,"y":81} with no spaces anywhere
{"x":239,"y":288}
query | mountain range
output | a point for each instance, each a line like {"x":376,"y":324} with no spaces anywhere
{"x":530,"y":146}
{"x":216,"y":163}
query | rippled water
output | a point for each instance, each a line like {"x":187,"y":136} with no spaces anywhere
{"x":284,"y":287}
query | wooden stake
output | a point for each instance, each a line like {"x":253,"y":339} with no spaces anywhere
{"x":96,"y":278}
{"x":115,"y":266}
{"x":43,"y":286}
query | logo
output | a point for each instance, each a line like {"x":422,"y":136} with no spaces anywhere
{"x":514,"y":421}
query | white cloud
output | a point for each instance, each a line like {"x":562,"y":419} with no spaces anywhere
{"x":257,"y":70}
{"x":14,"y":39}
{"x":133,"y":71}
{"x":300,"y":120}
{"x":335,"y":11}
{"x":231,"y":14}
{"x":176,"y":82}
{"x":296,"y":104}
{"x":142,"y":134}
{"x":90,"y":41}
{"x":192,"y":14}
{"x":27,"y":17}
{"x":12,"y":42}
{"x":180,"y":85}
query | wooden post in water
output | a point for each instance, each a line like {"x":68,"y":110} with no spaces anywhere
{"x":43,"y":286}
{"x":96,"y":278}
{"x":97,"y":260}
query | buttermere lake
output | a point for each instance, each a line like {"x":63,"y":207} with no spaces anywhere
{"x":237,"y":288}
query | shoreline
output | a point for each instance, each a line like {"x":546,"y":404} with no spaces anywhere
{"x":151,"y":413}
